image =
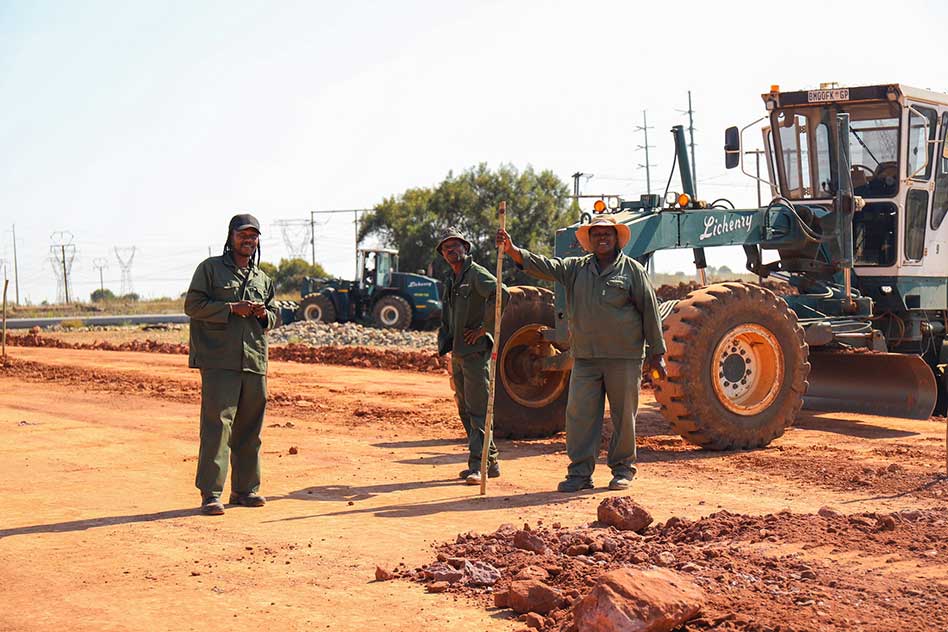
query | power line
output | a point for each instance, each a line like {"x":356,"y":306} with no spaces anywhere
{"x":296,"y":236}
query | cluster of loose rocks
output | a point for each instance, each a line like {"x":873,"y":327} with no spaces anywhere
{"x":314,"y":334}
{"x":725,"y":571}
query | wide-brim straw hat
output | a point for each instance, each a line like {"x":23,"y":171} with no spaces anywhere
{"x":623,"y":234}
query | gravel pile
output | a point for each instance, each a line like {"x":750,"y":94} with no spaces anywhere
{"x":313,"y":334}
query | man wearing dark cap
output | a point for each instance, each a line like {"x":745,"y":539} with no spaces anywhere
{"x":230,"y":302}
{"x":466,"y":318}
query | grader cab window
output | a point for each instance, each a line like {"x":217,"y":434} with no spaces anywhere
{"x":922,"y":125}
{"x":940,"y":203}
{"x":806,"y":146}
{"x":874,"y":229}
{"x":916,"y":210}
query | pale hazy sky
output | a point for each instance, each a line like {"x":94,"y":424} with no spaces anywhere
{"x":151,"y":123}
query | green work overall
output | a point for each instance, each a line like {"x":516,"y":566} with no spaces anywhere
{"x":613,"y":314}
{"x":231,"y":352}
{"x":469,"y":304}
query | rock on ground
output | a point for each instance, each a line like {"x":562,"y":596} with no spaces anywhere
{"x":531,"y":595}
{"x":653,"y":600}
{"x":624,"y":514}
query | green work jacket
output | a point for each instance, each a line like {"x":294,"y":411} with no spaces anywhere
{"x":468,"y":302}
{"x":219,"y":339}
{"x":612,"y":313}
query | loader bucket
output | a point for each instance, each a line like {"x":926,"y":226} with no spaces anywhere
{"x":889,"y":384}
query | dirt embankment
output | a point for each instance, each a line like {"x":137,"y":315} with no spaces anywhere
{"x":680,"y":291}
{"x":366,"y":357}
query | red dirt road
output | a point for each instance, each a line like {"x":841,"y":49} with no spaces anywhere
{"x":100,"y":530}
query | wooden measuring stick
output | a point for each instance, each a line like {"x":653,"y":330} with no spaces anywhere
{"x":492,"y":368}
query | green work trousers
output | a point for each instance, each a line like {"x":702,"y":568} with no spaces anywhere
{"x":471,"y":378}
{"x":232,"y":408}
{"x":591,"y":381}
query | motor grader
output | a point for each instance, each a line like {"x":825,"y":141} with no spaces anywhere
{"x":859,"y":179}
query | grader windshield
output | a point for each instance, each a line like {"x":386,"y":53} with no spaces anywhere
{"x":804,"y":149}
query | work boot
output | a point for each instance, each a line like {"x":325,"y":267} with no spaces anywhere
{"x":474,"y":478}
{"x":251,"y":499}
{"x":212,"y":506}
{"x":493,"y":471}
{"x":574,"y":484}
{"x":621,"y":480}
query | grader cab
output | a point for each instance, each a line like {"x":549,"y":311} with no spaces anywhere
{"x":859,"y":179}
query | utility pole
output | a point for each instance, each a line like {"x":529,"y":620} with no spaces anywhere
{"x":62,"y":241}
{"x":648,"y":177}
{"x":16,"y":273}
{"x":691,"y":133}
{"x":312,"y":235}
{"x":100,"y":263}
{"x":576,"y":177}
{"x":355,"y":212}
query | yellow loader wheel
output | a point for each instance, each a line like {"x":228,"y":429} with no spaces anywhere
{"x":737,"y":367}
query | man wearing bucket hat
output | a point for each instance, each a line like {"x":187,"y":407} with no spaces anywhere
{"x":466,"y":318}
{"x":613,"y":317}
{"x":230,"y":302}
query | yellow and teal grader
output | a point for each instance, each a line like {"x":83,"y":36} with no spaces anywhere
{"x":859,"y":178}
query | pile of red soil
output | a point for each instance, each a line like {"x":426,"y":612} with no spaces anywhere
{"x":778,"y":572}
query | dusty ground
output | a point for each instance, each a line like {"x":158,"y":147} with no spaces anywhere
{"x":100,"y":530}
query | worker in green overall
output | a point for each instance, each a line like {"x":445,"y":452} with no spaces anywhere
{"x":467,"y":317}
{"x":230,"y":302}
{"x":613,"y":318}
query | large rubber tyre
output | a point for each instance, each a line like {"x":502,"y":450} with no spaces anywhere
{"x":737,"y":367}
{"x":392,"y":312}
{"x":318,"y":308}
{"x":527,"y":404}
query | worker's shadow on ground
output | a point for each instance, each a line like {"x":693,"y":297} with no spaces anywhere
{"x":825,"y":422}
{"x":363,"y":492}
{"x":470,"y":501}
{"x":91,"y":523}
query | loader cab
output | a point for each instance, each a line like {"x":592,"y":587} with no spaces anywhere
{"x":898,"y":165}
{"x":377,"y":266}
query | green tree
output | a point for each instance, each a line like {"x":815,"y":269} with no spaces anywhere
{"x":288,"y":276}
{"x":537,"y":204}
{"x":102,"y":295}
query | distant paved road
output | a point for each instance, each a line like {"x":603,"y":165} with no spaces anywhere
{"x":137,"y":319}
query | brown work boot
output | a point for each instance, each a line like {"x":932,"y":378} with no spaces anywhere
{"x":252,"y":499}
{"x":212,"y":506}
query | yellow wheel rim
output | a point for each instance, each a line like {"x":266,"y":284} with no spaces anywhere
{"x":747,"y":369}
{"x":520,"y":368}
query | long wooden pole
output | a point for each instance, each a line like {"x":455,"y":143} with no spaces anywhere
{"x":6,"y":282}
{"x":492,"y":368}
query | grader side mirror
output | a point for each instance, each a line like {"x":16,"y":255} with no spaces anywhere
{"x":732,"y":147}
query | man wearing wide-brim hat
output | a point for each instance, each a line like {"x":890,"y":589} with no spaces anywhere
{"x":613,"y":317}
{"x":467,"y":318}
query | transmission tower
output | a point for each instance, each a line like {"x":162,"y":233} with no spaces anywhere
{"x":125,"y":257}
{"x":62,"y":254}
{"x":297,"y":234}
{"x":100,"y":264}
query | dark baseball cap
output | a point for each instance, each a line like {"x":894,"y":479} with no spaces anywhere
{"x":244,"y":220}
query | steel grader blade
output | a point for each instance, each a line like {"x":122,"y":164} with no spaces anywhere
{"x":889,"y":384}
